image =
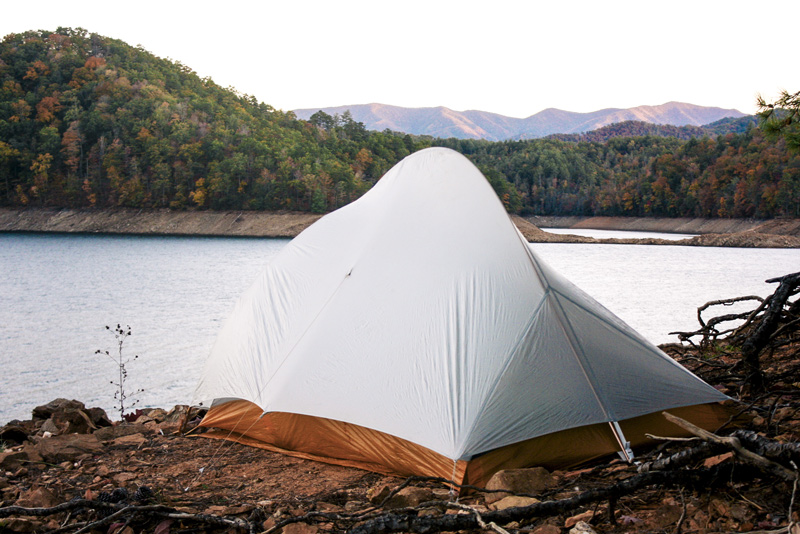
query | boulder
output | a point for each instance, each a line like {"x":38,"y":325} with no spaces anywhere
{"x":531,"y":481}
{"x":512,"y":501}
{"x":46,"y":411}
{"x":68,"y":447}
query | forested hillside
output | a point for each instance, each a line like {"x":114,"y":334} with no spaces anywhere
{"x":734,"y":175}
{"x":639,"y":129}
{"x":89,"y":121}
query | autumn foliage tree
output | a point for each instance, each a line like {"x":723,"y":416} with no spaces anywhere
{"x":89,"y":121}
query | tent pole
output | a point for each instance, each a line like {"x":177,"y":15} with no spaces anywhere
{"x":625,"y":446}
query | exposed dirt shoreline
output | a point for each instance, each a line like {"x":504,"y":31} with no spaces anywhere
{"x":777,"y":233}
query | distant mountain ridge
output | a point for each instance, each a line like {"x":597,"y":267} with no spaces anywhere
{"x":444,"y":122}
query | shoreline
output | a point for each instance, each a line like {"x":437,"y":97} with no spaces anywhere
{"x":775,"y":233}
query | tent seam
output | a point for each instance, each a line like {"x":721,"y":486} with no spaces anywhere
{"x":505,"y":367}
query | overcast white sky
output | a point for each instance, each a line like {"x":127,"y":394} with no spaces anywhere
{"x":510,"y":57}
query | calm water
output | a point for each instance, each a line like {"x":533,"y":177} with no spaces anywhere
{"x":58,"y":292}
{"x":619,"y":234}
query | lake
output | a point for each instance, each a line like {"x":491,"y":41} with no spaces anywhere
{"x":58,"y":292}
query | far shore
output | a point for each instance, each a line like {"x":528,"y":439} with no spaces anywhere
{"x":775,"y":233}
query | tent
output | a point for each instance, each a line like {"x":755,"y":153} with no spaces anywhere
{"x":414,"y":331}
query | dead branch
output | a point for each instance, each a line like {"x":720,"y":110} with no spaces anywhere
{"x":781,"y":452}
{"x":123,"y":510}
{"x":770,"y":321}
{"x":733,"y":443}
{"x":679,"y":459}
{"x":411,"y":522}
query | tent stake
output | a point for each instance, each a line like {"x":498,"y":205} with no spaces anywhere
{"x":625,"y":446}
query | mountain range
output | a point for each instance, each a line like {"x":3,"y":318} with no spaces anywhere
{"x":444,"y":122}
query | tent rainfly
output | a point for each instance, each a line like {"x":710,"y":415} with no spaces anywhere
{"x":414,"y":331}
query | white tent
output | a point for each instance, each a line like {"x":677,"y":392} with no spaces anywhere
{"x":415,"y":331}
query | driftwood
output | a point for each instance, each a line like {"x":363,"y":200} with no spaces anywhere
{"x":733,"y":443}
{"x":768,"y":325}
{"x":771,"y":324}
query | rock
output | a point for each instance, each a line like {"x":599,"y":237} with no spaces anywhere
{"x":49,"y":428}
{"x":533,"y":480}
{"x":512,"y":501}
{"x":574,"y":520}
{"x":68,"y":447}
{"x":47,"y":410}
{"x":176,"y":414}
{"x":409,"y":497}
{"x":72,"y":421}
{"x":15,"y":432}
{"x":11,"y":460}
{"x":321,"y":506}
{"x":134,"y":440}
{"x":582,"y":527}
{"x":16,"y":524}
{"x":300,"y":528}
{"x":110,"y":433}
{"x":37,"y":498}
{"x":99,"y":417}
{"x":122,"y":478}
{"x":667,"y":514}
{"x":156,"y":414}
{"x":376,"y":494}
{"x":353,"y":506}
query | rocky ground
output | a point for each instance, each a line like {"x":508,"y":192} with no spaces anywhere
{"x":778,"y":233}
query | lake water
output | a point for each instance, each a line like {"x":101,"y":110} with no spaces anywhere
{"x":58,"y":292}
{"x":617,"y":234}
